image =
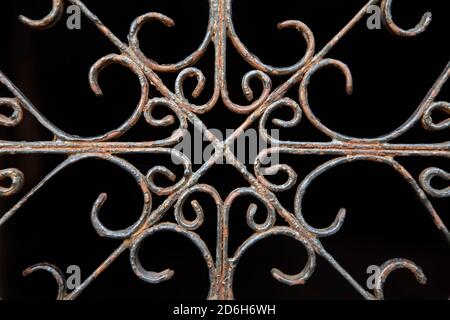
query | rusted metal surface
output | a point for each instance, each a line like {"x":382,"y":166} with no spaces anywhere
{"x":222,"y":266}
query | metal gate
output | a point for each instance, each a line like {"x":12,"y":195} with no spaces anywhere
{"x":259,"y":111}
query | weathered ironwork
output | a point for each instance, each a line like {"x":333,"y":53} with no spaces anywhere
{"x":222,"y":266}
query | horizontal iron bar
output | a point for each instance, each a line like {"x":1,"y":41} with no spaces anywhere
{"x":319,"y":148}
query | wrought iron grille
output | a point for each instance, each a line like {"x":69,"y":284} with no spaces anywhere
{"x":222,"y":266}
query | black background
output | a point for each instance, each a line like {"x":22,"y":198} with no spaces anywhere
{"x":385,"y":220}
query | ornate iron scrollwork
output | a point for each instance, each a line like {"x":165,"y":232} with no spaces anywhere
{"x":259,"y":109}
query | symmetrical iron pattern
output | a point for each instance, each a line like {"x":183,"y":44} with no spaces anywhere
{"x":223,"y":265}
